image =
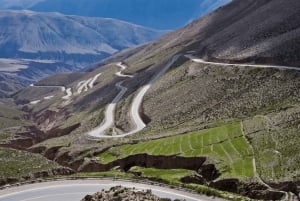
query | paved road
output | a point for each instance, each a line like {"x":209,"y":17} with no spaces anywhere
{"x":75,"y":190}
{"x":109,"y":114}
{"x":120,"y":73}
{"x":197,"y":60}
{"x":134,"y":110}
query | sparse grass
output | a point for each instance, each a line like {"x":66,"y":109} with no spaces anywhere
{"x":16,"y":164}
{"x":275,"y":139}
{"x":9,"y":112}
{"x":138,"y":64}
{"x":224,"y":146}
{"x":6,"y":122}
{"x":87,"y":120}
{"x":10,"y":117}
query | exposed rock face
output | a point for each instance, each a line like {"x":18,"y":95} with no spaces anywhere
{"x":160,"y":162}
{"x":120,"y":193}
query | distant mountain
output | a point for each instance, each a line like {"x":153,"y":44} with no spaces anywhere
{"x":54,"y":42}
{"x":162,"y":14}
{"x":244,"y":119}
{"x":18,"y":4}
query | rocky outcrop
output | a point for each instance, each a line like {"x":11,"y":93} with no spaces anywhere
{"x":286,"y":186}
{"x":230,"y":185}
{"x":252,"y":190}
{"x":120,"y":193}
{"x":33,"y":135}
{"x":145,"y":160}
{"x":194,"y":179}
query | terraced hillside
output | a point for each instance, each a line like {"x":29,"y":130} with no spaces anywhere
{"x":224,"y":146}
{"x":222,"y":122}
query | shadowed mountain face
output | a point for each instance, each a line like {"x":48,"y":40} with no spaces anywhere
{"x":52,"y":43}
{"x":163,"y":14}
{"x":266,"y":31}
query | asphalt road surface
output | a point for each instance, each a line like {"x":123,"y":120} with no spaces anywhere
{"x":75,"y":190}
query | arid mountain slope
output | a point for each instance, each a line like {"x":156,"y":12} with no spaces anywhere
{"x":189,"y":97}
{"x":36,"y":45}
{"x":266,"y":31}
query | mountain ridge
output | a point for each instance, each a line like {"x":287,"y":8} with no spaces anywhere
{"x":149,"y":13}
{"x":53,"y":42}
{"x":243,"y":119}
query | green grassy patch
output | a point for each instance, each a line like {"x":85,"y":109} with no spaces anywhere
{"x":224,"y":146}
{"x":275,"y":141}
{"x":9,"y":117}
{"x":9,"y":112}
{"x":16,"y":164}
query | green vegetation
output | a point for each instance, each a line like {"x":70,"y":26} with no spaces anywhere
{"x":6,"y":122}
{"x":9,"y":117}
{"x":9,"y":112}
{"x":275,"y":140}
{"x":17,"y":164}
{"x":224,"y":146}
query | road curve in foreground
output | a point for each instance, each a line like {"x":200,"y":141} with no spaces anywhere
{"x":134,"y":109}
{"x":198,"y":60}
{"x":71,"y":190}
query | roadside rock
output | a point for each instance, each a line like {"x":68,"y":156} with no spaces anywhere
{"x":120,"y":193}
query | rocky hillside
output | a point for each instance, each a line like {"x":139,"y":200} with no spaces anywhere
{"x":251,"y":31}
{"x":192,"y":96}
{"x":122,"y":193}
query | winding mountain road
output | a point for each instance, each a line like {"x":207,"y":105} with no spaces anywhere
{"x":71,"y":190}
{"x":99,"y":132}
{"x":198,"y":60}
{"x":123,"y":67}
{"x":109,"y":114}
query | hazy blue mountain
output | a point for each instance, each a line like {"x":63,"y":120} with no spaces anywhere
{"x":159,"y":14}
{"x":40,"y":44}
{"x":18,"y":4}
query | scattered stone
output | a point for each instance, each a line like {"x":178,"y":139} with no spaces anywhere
{"x":120,"y":193}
